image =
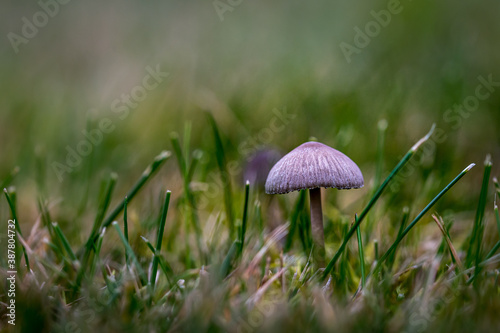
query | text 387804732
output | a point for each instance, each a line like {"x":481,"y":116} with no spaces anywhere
{"x":11,"y":271}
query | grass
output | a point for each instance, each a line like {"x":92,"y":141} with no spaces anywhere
{"x":419,"y":217}
{"x":263,"y":272}
{"x":159,"y":238}
{"x":18,"y":228}
{"x":127,"y":242}
{"x":374,"y":199}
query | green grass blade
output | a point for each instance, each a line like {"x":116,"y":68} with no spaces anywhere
{"x":187,"y":139}
{"x":379,"y":166}
{"x":159,"y":239}
{"x":166,"y":269}
{"x":12,"y":208}
{"x":488,"y":256}
{"x":493,"y":250}
{"x":305,"y":231}
{"x":259,"y":221}
{"x":224,"y":174}
{"x":196,"y":225}
{"x":294,"y":219}
{"x":174,"y":139}
{"x":104,"y":201}
{"x":164,"y":265}
{"x":97,"y":252}
{"x":228,"y":260}
{"x":197,"y":155}
{"x":476,"y":238}
{"x":146,"y":175}
{"x":45,"y":216}
{"x":187,"y":172}
{"x":402,"y":225}
{"x":420,"y":215}
{"x":64,"y":242}
{"x":142,"y":275}
{"x":374,"y":199}
{"x":10,"y":177}
{"x":149,"y":245}
{"x":361,"y":256}
{"x":125,"y":223}
{"x":477,"y":265}
{"x":57,"y":247}
{"x":244,"y":218}
{"x":495,"y":208}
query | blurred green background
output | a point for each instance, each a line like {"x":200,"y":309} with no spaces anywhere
{"x":241,"y":60}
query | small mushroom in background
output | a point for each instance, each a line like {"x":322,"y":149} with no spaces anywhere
{"x":259,"y":164}
{"x":257,"y":167}
{"x":313,"y":165}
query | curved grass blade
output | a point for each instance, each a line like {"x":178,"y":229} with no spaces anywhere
{"x":146,"y":175}
{"x":142,"y":275}
{"x":231,"y":254}
{"x":12,"y":207}
{"x":164,"y":265}
{"x":379,"y":166}
{"x":64,"y":242}
{"x":420,"y":215}
{"x":402,"y":226}
{"x":244,"y":218}
{"x":493,"y":250}
{"x":361,"y":255}
{"x":97,"y":251}
{"x":294,"y":219}
{"x":476,"y":238}
{"x":190,"y":206}
{"x":104,"y":201}
{"x":10,"y":177}
{"x":226,"y":180}
{"x":125,"y":223}
{"x":159,"y":239}
{"x":374,"y":199}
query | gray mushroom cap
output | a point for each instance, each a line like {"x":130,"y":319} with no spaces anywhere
{"x":312,"y":165}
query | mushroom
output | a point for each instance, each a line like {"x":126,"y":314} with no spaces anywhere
{"x":313,"y":165}
{"x":259,"y":165}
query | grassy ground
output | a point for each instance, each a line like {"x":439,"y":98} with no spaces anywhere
{"x":198,"y":250}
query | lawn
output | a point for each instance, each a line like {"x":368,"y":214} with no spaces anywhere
{"x":136,"y":140}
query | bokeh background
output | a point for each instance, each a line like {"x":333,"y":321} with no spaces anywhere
{"x":240,"y":62}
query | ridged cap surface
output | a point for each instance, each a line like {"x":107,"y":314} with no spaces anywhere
{"x":313,"y":165}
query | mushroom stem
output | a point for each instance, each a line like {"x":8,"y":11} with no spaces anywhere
{"x":317,"y":226}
